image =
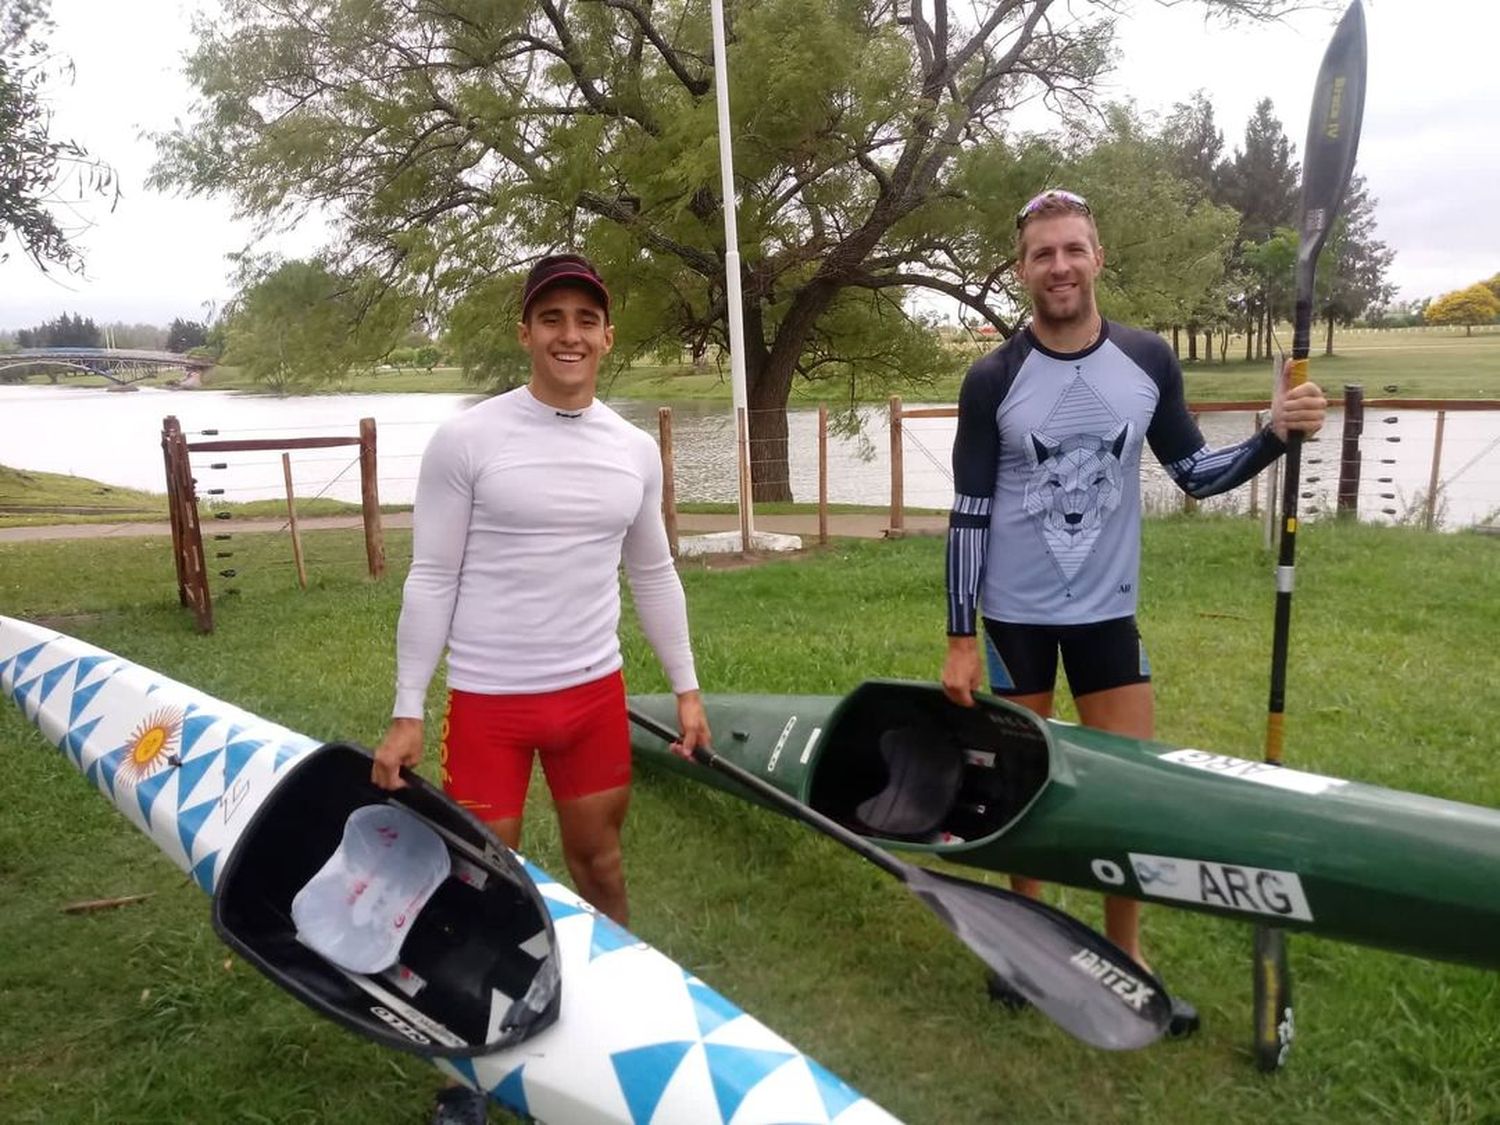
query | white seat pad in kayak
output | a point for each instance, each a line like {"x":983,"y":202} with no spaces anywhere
{"x":359,"y":907}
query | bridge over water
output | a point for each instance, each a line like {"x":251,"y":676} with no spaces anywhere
{"x":122,"y":366}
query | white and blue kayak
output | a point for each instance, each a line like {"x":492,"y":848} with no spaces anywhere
{"x":456,"y":949}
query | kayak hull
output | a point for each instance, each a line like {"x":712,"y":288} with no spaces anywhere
{"x":1169,"y":825}
{"x":636,"y":1037}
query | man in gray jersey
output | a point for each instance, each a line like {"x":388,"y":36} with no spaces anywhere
{"x":1045,"y":528}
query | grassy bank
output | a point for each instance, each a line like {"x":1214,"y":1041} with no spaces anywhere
{"x":139,"y":1015}
{"x":1419,"y":363}
{"x":33,"y":499}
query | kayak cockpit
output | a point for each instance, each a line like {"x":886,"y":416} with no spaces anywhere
{"x":467,"y":966}
{"x":898,"y":761}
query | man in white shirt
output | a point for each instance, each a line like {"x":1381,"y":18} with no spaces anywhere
{"x":526,"y":506}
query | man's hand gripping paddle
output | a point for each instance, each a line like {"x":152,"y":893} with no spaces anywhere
{"x":1328,"y":162}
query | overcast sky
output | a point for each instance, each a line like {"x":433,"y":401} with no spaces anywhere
{"x":1429,"y":147}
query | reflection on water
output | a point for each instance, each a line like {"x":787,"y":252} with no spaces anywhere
{"x":116,"y":438}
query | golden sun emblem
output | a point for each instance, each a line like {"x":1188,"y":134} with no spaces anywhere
{"x":150,"y":745}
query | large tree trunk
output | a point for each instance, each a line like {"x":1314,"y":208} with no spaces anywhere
{"x":1176,"y":349}
{"x":1328,"y":347}
{"x":1192,"y":330}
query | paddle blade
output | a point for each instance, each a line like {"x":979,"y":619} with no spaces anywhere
{"x":1332,"y":139}
{"x":1071,"y":973}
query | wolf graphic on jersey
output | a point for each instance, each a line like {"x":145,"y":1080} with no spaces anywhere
{"x":1076,"y":480}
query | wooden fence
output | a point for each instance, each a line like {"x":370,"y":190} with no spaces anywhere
{"x":1350,"y":460}
{"x":182,"y":504}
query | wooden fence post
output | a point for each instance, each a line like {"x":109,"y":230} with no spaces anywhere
{"x":1349,"y":458}
{"x":898,"y":473}
{"x":668,"y":477}
{"x":171,"y":433}
{"x":823,"y":475}
{"x":369,"y":490}
{"x":1432,"y":480}
{"x":1255,"y":424}
{"x":291,"y":520}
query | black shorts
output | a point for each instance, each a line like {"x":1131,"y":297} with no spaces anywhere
{"x":1105,"y":654}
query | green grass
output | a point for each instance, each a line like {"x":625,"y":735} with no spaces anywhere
{"x":139,"y":1015}
{"x":29,"y":498}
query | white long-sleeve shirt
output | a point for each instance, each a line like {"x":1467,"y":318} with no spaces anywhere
{"x":523,"y":516}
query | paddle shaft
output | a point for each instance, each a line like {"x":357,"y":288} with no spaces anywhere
{"x":789,"y":805}
{"x":1332,"y":140}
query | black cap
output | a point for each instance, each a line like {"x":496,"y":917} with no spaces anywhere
{"x":559,"y":269}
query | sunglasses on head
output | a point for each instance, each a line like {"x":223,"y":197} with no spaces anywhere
{"x":1051,"y":195}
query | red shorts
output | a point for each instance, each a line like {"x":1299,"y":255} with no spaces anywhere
{"x":582,"y":734}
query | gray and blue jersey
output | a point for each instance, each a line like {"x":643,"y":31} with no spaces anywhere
{"x":1045,"y":527}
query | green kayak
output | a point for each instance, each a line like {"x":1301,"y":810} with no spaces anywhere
{"x":995,"y":787}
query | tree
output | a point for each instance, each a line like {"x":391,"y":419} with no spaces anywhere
{"x":1471,"y":306}
{"x":1351,"y":269}
{"x":184,"y":335}
{"x":1493,"y":285}
{"x":33,"y":166}
{"x":301,"y":323}
{"x":454,"y":142}
{"x":1261,"y":182}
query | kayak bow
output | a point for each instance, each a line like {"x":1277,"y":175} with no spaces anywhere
{"x":995,"y":787}
{"x":507,"y":980}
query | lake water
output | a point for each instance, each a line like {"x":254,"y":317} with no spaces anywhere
{"x":115,"y":437}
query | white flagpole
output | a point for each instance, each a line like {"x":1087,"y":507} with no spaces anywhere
{"x":732,"y":265}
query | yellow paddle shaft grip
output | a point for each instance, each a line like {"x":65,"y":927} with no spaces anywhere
{"x":1275,"y":736}
{"x":1298,"y":374}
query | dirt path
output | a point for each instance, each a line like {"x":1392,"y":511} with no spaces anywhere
{"x":853,"y":526}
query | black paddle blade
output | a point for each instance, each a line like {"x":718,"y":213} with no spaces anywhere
{"x":1074,"y":975}
{"x":1332,"y":139}
{"x":1273,"y":1000}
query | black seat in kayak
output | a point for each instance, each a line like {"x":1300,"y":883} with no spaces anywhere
{"x":923,"y":777}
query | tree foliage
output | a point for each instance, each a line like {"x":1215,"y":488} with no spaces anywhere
{"x":184,"y":335}
{"x":65,"y":331}
{"x":301,"y":324}
{"x":1471,"y":306}
{"x":455,"y":142}
{"x":33,"y":164}
{"x":1352,"y":267}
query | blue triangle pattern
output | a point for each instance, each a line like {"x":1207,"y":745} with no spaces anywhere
{"x":190,"y":823}
{"x":73,"y":742}
{"x":737,"y":1070}
{"x":644,"y":1072}
{"x":560,"y":909}
{"x":837,"y":1094}
{"x":86,"y":666}
{"x":51,"y":678}
{"x":713,"y":1011}
{"x":466,"y":1071}
{"x":105,"y":767}
{"x":511,"y":1092}
{"x":608,"y":937}
{"x":289,"y":751}
{"x":537,"y":875}
{"x":190,"y":773}
{"x":203,"y":871}
{"x":22,"y":660}
{"x":22,"y":694}
{"x":194,"y":723}
{"x":149,"y":789}
{"x":236,"y":755}
{"x":82,"y":697}
{"x":4,"y":667}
